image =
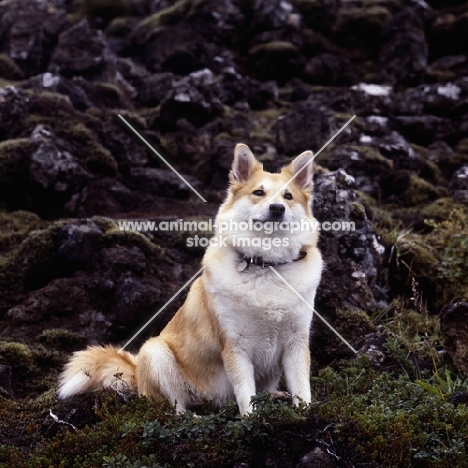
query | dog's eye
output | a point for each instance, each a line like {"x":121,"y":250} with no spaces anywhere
{"x":288,"y":196}
{"x":259,"y":193}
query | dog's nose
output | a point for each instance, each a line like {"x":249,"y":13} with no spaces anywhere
{"x":277,"y":209}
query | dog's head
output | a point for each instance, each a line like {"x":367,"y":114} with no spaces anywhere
{"x":265,"y":206}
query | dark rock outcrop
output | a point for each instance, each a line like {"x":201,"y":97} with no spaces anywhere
{"x":454,"y":329}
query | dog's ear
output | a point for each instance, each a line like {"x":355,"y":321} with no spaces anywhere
{"x":303,"y":167}
{"x":244,"y":164}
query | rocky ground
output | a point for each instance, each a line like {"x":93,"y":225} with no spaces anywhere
{"x":195,"y":78}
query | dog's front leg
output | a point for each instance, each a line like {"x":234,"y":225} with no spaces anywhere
{"x":296,"y":365}
{"x":240,"y":371}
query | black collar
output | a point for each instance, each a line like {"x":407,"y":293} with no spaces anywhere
{"x":246,"y":262}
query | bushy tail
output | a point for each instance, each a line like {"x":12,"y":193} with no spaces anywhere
{"x":96,"y":368}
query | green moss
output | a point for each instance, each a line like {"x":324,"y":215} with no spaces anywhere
{"x":14,"y":159}
{"x":16,"y":226}
{"x":34,"y":262}
{"x":34,"y":367}
{"x":154,"y":23}
{"x":358,"y":210}
{"x":438,"y":210}
{"x":376,"y":212}
{"x":16,"y":355}
{"x":353,"y":321}
{"x":9,"y":69}
{"x":274,"y":49}
{"x":372,"y":157}
{"x":105,"y":224}
{"x":368,"y":17}
{"x":35,"y":256}
{"x":110,"y":95}
{"x":100,"y":160}
{"x":57,"y":338}
{"x":119,"y":26}
{"x":462,"y":146}
{"x":419,"y":192}
{"x":116,"y":236}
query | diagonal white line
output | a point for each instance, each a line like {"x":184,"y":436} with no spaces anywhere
{"x":161,"y":157}
{"x":311,"y":161}
{"x":313,"y":310}
{"x":161,"y":309}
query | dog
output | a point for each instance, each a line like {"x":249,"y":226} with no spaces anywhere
{"x":246,"y":319}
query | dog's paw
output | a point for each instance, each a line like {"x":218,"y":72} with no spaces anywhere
{"x":277,"y":395}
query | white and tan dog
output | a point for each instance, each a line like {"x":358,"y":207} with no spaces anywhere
{"x":241,"y":326}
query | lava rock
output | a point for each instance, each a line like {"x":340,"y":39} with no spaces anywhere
{"x":305,"y":127}
{"x":317,"y":458}
{"x":14,"y":109}
{"x":459,"y":185}
{"x":29,"y":30}
{"x":404,"y":52}
{"x":454,"y":330}
{"x":154,"y":89}
{"x":163,"y":182}
{"x":76,"y":243}
{"x":426,"y":129}
{"x":193,"y":98}
{"x":373,"y":348}
{"x":448,"y":68}
{"x":80,"y":51}
{"x":362,"y":24}
{"x":58,"y":84}
{"x":101,"y":197}
{"x":53,"y":168}
{"x":331,"y":70}
{"x":6,"y":384}
{"x":360,"y":280}
{"x":458,"y":398}
{"x":280,"y":60}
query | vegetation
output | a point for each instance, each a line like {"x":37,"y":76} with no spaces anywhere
{"x":400,"y":415}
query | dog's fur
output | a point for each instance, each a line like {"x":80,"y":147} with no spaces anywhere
{"x":238,"y":330}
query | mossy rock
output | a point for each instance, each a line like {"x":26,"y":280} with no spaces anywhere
{"x":62,"y":340}
{"x":48,"y":104}
{"x":119,"y":26}
{"x":105,"y":224}
{"x":100,"y":160}
{"x":34,"y":367}
{"x":131,"y":239}
{"x":35,"y":260}
{"x":372,"y":155}
{"x":17,"y":355}
{"x":154,"y":23}
{"x":418,"y":191}
{"x":354,"y":324}
{"x":104,"y":8}
{"x":16,"y":227}
{"x":14,"y":159}
{"x":361,"y":24}
{"x":279,"y":49}
{"x":9,"y":69}
{"x":438,"y":210}
{"x":109,"y":95}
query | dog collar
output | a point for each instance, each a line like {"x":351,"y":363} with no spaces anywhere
{"x":246,"y":262}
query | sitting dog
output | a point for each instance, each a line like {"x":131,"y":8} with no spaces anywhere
{"x":243,"y":323}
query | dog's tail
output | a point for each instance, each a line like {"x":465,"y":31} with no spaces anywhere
{"x":97,"y":368}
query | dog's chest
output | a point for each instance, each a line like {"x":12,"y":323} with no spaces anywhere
{"x":259,"y":317}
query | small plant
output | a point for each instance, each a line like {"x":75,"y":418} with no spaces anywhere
{"x":443,"y":385}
